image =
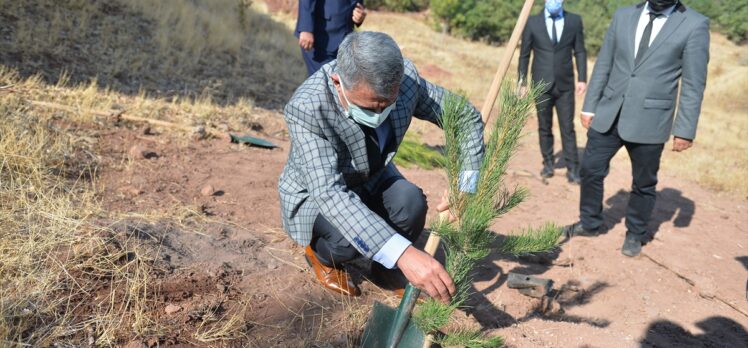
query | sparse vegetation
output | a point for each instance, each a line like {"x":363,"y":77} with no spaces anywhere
{"x":222,"y":51}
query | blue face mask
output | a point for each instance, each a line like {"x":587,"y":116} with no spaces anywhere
{"x":554,"y":7}
{"x":364,"y":116}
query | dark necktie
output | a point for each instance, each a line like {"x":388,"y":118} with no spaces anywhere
{"x":553,"y":29}
{"x":646,"y":35}
{"x":376,"y":160}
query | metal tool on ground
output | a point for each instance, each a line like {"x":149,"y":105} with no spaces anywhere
{"x":389,"y":327}
{"x":246,"y":139}
{"x":529,"y":285}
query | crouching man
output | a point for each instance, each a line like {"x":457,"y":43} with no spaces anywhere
{"x":341,"y":195}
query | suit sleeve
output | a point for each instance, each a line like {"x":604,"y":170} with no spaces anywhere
{"x":601,"y":71}
{"x":429,"y":108}
{"x":305,"y":20}
{"x":365,"y":230}
{"x":524,"y":54}
{"x":693,"y":81}
{"x":580,"y":53}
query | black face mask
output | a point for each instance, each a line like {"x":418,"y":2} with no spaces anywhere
{"x":659,"y":5}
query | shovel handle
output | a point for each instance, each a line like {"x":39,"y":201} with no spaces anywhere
{"x":506,"y":59}
{"x":433,"y":242}
{"x":410,"y":297}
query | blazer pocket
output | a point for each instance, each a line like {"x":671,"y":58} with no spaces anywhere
{"x":608,"y":92}
{"x":664,"y":104}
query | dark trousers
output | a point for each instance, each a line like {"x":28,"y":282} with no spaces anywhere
{"x":645,"y":162}
{"x":399,"y":202}
{"x":564,"y":103}
{"x":316,"y":58}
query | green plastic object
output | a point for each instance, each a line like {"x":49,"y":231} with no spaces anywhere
{"x":246,"y":139}
{"x":393,"y":328}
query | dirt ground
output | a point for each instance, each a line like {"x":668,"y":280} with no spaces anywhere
{"x":221,"y":233}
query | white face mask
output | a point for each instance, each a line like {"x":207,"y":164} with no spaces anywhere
{"x":363,"y":116}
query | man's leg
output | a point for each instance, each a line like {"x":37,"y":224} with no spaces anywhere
{"x":565,"y":110}
{"x":544,"y":106}
{"x":400,"y":203}
{"x":406,"y":207}
{"x":645,"y":162}
{"x":600,"y":149}
{"x":329,"y":245}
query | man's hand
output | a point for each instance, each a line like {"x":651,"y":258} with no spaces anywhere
{"x":581,"y":87}
{"x":427,"y":274}
{"x":306,"y":40}
{"x":359,"y":14}
{"x":586,"y":120}
{"x":680,"y":144}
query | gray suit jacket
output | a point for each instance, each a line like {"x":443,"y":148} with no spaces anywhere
{"x":646,"y":94}
{"x":328,"y":165}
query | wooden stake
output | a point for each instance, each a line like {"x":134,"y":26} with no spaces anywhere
{"x":120,"y":114}
{"x":506,"y":59}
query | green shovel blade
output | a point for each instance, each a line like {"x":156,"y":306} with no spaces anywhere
{"x":377,"y":332}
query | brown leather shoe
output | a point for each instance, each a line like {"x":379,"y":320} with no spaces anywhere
{"x":331,"y":278}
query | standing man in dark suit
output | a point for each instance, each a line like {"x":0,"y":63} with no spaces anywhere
{"x":649,"y":50}
{"x":321,"y":27}
{"x":553,"y":36}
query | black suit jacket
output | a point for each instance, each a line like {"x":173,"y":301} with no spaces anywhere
{"x":552,"y":63}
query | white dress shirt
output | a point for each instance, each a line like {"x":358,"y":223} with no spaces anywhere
{"x":657,"y":25}
{"x":559,"y":24}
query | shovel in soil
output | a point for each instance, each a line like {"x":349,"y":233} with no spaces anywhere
{"x":389,"y":327}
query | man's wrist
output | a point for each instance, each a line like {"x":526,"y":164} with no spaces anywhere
{"x":590,"y":114}
{"x":391,"y":251}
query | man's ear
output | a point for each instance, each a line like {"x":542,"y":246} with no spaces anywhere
{"x":335,"y":79}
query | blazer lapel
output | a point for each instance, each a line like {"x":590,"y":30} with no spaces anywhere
{"x":672,"y":23}
{"x":399,"y":122}
{"x":350,"y":133}
{"x":631,"y":41}
{"x":352,"y":136}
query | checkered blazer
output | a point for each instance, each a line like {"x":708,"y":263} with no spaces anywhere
{"x":328,"y":165}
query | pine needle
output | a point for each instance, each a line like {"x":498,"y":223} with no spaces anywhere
{"x":530,"y":241}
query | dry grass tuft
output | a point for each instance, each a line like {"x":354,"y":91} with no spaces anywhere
{"x":66,"y":280}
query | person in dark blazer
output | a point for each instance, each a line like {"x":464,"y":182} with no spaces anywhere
{"x":321,"y":26}
{"x":553,"y":37}
{"x":650,"y":50}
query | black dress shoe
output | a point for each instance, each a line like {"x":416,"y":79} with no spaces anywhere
{"x":631,"y":246}
{"x":573,"y":177}
{"x":547,"y":172}
{"x":578,"y":230}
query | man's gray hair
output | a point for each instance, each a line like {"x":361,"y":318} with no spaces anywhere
{"x":373,"y":58}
